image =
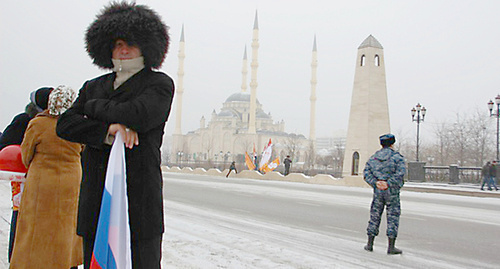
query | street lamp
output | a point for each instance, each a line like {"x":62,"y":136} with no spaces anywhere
{"x":418,"y":115}
{"x":226,"y":156}
{"x":496,"y":115}
{"x":221,"y":155}
{"x":180,"y":154}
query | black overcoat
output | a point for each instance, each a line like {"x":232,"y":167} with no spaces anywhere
{"x":14,"y":133}
{"x":141,"y":103}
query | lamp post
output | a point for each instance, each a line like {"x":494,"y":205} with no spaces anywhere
{"x":180,"y":156}
{"x":418,"y":115}
{"x":226,"y":156}
{"x":495,"y":114}
{"x":221,"y":155}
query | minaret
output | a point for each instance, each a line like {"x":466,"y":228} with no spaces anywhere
{"x":314,"y":67}
{"x":244,"y":72}
{"x":180,"y":86}
{"x":369,"y":115}
{"x":253,"y":81}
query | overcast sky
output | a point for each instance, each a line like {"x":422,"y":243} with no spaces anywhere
{"x":442,"y":54}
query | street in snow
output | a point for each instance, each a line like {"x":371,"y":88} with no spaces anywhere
{"x":217,"y":222}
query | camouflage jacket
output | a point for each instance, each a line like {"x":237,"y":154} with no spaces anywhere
{"x":387,"y":165}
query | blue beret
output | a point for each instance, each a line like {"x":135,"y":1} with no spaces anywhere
{"x":387,"y":139}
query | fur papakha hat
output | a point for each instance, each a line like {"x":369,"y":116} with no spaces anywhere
{"x":138,"y":25}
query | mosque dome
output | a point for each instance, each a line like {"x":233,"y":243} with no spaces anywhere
{"x":239,"y":97}
{"x":227,"y":113}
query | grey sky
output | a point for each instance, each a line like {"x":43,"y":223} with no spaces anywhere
{"x":439,"y":53}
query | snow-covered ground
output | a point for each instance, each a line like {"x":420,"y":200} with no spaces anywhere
{"x":197,"y":238}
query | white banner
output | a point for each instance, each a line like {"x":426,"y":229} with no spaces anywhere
{"x":12,"y":176}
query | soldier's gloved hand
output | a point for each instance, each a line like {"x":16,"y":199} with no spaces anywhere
{"x":382,"y":185}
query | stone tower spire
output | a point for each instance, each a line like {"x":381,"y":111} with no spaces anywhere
{"x":180,"y":85}
{"x":253,"y":80}
{"x":369,"y":115}
{"x":314,"y":67}
{"x":244,"y":72}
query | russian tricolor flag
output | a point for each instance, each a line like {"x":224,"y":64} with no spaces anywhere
{"x":112,"y":242}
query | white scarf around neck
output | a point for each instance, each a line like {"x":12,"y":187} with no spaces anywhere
{"x":125,"y":69}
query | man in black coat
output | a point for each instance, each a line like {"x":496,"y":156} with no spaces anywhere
{"x":493,"y":176}
{"x":131,"y":40}
{"x":287,"y":162}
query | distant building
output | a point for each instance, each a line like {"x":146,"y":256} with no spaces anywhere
{"x":226,"y":136}
{"x":240,"y":126}
{"x":330,"y":144}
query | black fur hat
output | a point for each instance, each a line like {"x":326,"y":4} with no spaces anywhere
{"x":136,"y":24}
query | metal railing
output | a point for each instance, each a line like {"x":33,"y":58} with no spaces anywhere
{"x":452,"y":174}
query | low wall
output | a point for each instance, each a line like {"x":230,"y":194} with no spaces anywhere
{"x":351,"y":181}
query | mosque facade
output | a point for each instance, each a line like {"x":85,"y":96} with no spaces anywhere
{"x":240,"y":126}
{"x":225,"y":136}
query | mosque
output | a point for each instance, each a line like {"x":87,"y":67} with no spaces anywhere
{"x":240,"y":126}
{"x":243,"y":126}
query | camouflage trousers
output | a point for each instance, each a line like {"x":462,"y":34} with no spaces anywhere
{"x":382,"y":199}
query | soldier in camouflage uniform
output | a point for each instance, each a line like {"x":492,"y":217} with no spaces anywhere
{"x":384,"y":171}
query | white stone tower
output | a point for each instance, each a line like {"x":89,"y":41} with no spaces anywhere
{"x":244,"y":72}
{"x":312,"y":119}
{"x":369,"y":115}
{"x":180,"y":85}
{"x":253,"y":80}
{"x":177,"y":135}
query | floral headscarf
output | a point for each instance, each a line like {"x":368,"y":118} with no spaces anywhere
{"x":60,"y":99}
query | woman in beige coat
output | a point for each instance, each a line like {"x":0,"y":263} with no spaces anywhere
{"x":46,"y":228}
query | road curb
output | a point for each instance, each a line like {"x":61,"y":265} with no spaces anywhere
{"x":493,"y":194}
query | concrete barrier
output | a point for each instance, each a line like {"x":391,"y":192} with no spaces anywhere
{"x":351,"y":181}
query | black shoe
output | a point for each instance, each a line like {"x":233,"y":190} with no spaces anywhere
{"x":392,"y":250}
{"x":369,"y":245}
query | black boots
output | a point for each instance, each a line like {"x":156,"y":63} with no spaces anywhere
{"x":392,"y":250}
{"x":369,"y":245}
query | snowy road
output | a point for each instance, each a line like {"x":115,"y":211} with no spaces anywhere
{"x":214,"y":222}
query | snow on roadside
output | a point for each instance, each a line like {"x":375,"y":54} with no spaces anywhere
{"x":195,"y":238}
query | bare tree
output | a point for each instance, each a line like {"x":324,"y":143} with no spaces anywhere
{"x":480,"y":135}
{"x":165,"y":154}
{"x":208,"y":145}
{"x":245,"y":144}
{"x":465,"y":141}
{"x":325,"y":160}
{"x":310,"y":155}
{"x":292,"y":145}
{"x":443,"y":148}
{"x":460,"y":139}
